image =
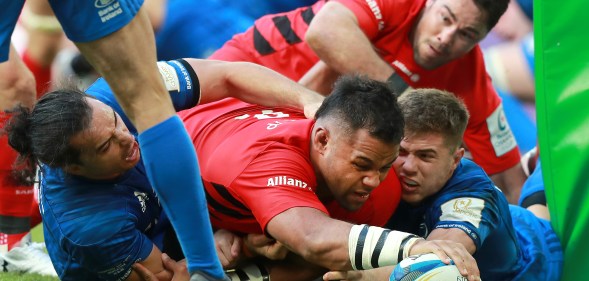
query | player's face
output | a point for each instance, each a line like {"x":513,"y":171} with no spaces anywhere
{"x":424,"y":165}
{"x":355,"y":164}
{"x":107,"y":148}
{"x":447,"y":29}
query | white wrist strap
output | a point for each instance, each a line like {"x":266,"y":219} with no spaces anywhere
{"x":372,"y":246}
{"x":249,"y":272}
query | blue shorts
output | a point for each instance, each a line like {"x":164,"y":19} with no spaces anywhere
{"x":11,"y":10}
{"x":542,"y":253}
{"x":85,"y":21}
{"x":81,"y":20}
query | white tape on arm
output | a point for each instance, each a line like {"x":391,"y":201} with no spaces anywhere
{"x":372,"y":247}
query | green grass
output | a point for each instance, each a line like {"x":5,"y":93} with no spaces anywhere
{"x":37,"y":236}
{"x":7,"y":276}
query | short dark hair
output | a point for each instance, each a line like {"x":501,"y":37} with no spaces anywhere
{"x":43,"y":134}
{"x":493,"y":9}
{"x":434,"y":111}
{"x":362,"y":103}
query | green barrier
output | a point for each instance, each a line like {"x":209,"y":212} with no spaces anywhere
{"x":562,"y":91}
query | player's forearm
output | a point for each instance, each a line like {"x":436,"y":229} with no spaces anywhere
{"x":338,"y":41}
{"x":17,"y":85}
{"x":510,"y":182}
{"x":260,"y":85}
{"x":338,"y":245}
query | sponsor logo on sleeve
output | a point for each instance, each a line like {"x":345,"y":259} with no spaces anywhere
{"x":141,"y":197}
{"x":108,"y":9}
{"x":502,"y":138}
{"x":169,"y":76}
{"x":185,"y":74}
{"x":414,"y":77}
{"x":377,"y":13}
{"x":119,"y":270}
{"x":284,"y":180}
{"x":463,"y":209}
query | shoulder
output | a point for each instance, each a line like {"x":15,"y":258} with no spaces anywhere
{"x":85,"y":215}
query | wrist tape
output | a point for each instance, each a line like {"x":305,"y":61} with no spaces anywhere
{"x":397,"y":84}
{"x":249,"y":272}
{"x":372,"y":247}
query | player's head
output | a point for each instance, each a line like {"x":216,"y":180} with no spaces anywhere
{"x":74,"y":131}
{"x":431,"y":148}
{"x":448,"y":29}
{"x":355,"y":139}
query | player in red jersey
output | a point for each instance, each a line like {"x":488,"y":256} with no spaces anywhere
{"x":408,"y":43}
{"x":270,"y":170}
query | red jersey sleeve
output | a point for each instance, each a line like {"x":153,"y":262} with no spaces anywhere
{"x":376,"y":15}
{"x":488,"y":135}
{"x":278,"y":179}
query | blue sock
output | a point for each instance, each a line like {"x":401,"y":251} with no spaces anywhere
{"x":172,"y":169}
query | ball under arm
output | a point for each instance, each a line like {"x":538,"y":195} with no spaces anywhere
{"x":372,"y":247}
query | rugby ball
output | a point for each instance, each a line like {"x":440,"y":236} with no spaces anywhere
{"x":425,"y":267}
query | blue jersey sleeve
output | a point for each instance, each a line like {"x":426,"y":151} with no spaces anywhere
{"x":111,"y":257}
{"x":179,"y":77}
{"x":467,"y":202}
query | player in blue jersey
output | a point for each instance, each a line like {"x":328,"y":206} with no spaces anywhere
{"x":101,"y":214}
{"x":533,"y":195}
{"x":448,"y":197}
{"x":117,"y":39}
{"x":445,"y":196}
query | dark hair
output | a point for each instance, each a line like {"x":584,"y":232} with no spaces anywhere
{"x":493,"y":9}
{"x":434,"y":111}
{"x":43,"y":134}
{"x":362,"y":103}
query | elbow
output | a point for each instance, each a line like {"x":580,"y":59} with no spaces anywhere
{"x":315,"y":39}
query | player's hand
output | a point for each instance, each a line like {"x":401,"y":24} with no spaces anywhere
{"x":446,"y":251}
{"x":261,"y":245}
{"x":228,"y":246}
{"x":311,"y":108}
{"x":381,"y":273}
{"x":343,"y":276}
{"x":179,"y":270}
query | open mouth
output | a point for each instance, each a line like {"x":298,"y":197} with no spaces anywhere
{"x":362,"y":195}
{"x":409,"y":185}
{"x":133,"y":152}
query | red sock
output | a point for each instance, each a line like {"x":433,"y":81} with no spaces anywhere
{"x":15,"y":200}
{"x":42,"y":74}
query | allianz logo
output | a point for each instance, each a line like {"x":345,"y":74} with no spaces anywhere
{"x":284,"y":180}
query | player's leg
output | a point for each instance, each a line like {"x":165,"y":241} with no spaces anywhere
{"x":17,"y":86}
{"x":44,"y":41}
{"x":126,"y":58}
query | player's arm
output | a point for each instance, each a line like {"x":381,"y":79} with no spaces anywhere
{"x":251,"y":83}
{"x":381,"y":273}
{"x":154,"y":264}
{"x":320,"y":78}
{"x":339,"y":245}
{"x":510,"y":181}
{"x":336,"y":37}
{"x":453,"y":234}
{"x":17,"y":85}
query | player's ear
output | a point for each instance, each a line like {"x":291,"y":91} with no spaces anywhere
{"x":458,"y":154}
{"x":320,"y":139}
